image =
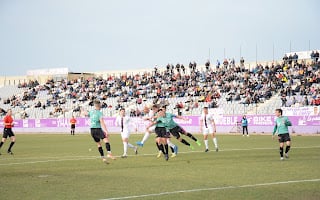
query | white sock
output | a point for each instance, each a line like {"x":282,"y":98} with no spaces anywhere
{"x":170,"y":143}
{"x":125,"y":148}
{"x":215,"y":142}
{"x":130,"y":145}
{"x":206,"y":143}
{"x":145,"y":137}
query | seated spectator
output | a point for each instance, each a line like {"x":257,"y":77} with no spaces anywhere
{"x":213,"y":104}
{"x":77,"y":109}
{"x":179,"y":106}
{"x":229,"y":97}
{"x":104,"y":105}
{"x":305,"y":101}
{"x":201,"y":98}
{"x":284,"y":101}
{"x":316,"y":101}
{"x":38,"y":105}
{"x":24,"y":115}
{"x":139,"y":100}
{"x":294,"y":101}
{"x":247,"y":100}
{"x":2,"y":112}
{"x":237,"y":97}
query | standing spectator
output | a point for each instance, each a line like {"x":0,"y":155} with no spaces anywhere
{"x":207,"y":64}
{"x":218,"y":64}
{"x":225,"y":64}
{"x":316,"y":56}
{"x":284,"y":101}
{"x":285,"y":59}
{"x":312,"y":55}
{"x":7,"y":131}
{"x":183,"y":69}
{"x":178,"y":67}
{"x":244,"y":124}
{"x":241,"y":61}
{"x":190,"y":66}
{"x":194,"y":65}
{"x":295,"y":58}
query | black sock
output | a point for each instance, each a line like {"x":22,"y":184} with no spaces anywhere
{"x":166,"y":148}
{"x":161,"y":148}
{"x":108,"y":147}
{"x":185,"y":142}
{"x":1,"y":143}
{"x":281,"y":151}
{"x":11,"y":144}
{"x":101,"y":151}
{"x":158,"y":146}
{"x":191,"y":136}
{"x":287,"y":149}
{"x":172,"y":150}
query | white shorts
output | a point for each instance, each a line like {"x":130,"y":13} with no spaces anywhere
{"x":207,"y":131}
{"x":152,"y":129}
{"x":125,"y":134}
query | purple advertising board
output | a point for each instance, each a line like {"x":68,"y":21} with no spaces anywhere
{"x":303,"y":124}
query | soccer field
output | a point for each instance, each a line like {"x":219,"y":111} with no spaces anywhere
{"x":56,"y":166}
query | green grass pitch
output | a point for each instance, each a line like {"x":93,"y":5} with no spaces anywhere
{"x":57,"y":166}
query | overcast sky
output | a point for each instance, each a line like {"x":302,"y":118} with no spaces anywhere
{"x":99,"y":35}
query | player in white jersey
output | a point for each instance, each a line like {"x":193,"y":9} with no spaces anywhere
{"x":124,"y":122}
{"x":151,"y":117}
{"x":208,"y":126}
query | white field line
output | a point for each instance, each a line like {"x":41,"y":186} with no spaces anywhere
{"x":76,"y":158}
{"x":211,"y":189}
{"x":46,"y":161}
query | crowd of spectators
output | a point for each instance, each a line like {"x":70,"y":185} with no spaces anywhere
{"x":301,"y":83}
{"x":234,"y":82}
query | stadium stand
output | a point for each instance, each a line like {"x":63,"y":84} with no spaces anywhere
{"x":236,"y":89}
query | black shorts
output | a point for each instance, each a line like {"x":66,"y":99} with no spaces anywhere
{"x":73,"y":126}
{"x":284,"y":137}
{"x":7,"y":132}
{"x":176,"y":131}
{"x":161,"y":132}
{"x":97,"y":134}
